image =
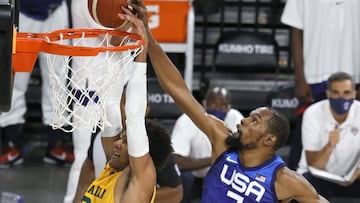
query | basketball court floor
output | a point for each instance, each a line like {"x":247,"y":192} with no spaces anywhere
{"x":34,"y":180}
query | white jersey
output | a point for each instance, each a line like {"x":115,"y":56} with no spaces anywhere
{"x":189,"y":141}
{"x":57,"y":19}
{"x":331,"y":31}
{"x":82,"y":19}
{"x":317,"y":123}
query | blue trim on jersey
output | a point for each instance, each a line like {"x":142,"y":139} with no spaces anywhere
{"x":39,"y":9}
{"x":229,"y":181}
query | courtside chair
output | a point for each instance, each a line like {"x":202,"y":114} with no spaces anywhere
{"x":246,"y":63}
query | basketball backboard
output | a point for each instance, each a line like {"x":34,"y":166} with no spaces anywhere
{"x":8,"y":18}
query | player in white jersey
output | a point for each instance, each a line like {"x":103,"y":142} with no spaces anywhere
{"x":35,"y":16}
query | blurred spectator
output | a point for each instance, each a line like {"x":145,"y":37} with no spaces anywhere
{"x":329,"y":128}
{"x":325,"y":39}
{"x":192,"y":149}
{"x":35,"y":16}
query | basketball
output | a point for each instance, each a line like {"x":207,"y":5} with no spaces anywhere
{"x":105,"y":12}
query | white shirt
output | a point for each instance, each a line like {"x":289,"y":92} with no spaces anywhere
{"x":317,"y":123}
{"x":331,"y":31}
{"x":189,"y":141}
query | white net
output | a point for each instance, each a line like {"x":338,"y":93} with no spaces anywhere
{"x":85,"y":81}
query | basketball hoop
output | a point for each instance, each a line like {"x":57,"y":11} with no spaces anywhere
{"x":99,"y":63}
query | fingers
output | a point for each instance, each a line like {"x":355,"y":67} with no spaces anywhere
{"x":136,"y":8}
{"x":304,"y":99}
{"x":334,"y":137}
{"x":127,"y":10}
{"x":303,"y":92}
{"x":136,"y":23}
{"x":140,"y":10}
{"x":302,"y":95}
{"x":129,"y":15}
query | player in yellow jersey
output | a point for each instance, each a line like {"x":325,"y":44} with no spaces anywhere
{"x":117,"y":175}
{"x":134,"y":155}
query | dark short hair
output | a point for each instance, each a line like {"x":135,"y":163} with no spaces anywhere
{"x":280,"y":127}
{"x":339,"y":76}
{"x":159,"y":142}
{"x":215,"y":91}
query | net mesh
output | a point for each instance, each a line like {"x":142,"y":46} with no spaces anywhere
{"x":85,"y":81}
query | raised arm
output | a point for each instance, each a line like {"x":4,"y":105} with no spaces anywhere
{"x":172,"y":82}
{"x":143,"y":174}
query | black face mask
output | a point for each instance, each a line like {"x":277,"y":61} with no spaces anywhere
{"x":219,"y":114}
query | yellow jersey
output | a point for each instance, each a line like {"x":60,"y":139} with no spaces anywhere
{"x":102,"y":188}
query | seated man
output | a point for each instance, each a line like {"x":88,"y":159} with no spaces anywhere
{"x":329,"y":129}
{"x":130,"y":174}
{"x":192,"y":149}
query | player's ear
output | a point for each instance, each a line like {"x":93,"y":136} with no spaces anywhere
{"x":270,"y":139}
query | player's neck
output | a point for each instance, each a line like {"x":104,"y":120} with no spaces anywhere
{"x":340,"y":118}
{"x":254,"y":157}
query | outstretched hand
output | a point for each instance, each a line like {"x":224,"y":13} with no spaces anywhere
{"x":135,"y":18}
{"x":140,"y":11}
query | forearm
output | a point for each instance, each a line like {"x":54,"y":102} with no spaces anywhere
{"x":319,"y":159}
{"x":87,"y":175}
{"x":297,"y":53}
{"x":135,"y":108}
{"x":142,"y":55}
{"x":169,"y":194}
{"x":186,"y":163}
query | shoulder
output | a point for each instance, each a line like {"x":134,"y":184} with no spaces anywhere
{"x":353,"y":115}
{"x":292,"y":14}
{"x":184,"y":124}
{"x":355,"y":107}
{"x":183,"y":118}
{"x":356,"y":103}
{"x":299,"y":185}
{"x":318,"y":108}
{"x":285,"y":174}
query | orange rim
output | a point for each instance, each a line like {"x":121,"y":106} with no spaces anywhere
{"x":28,"y":45}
